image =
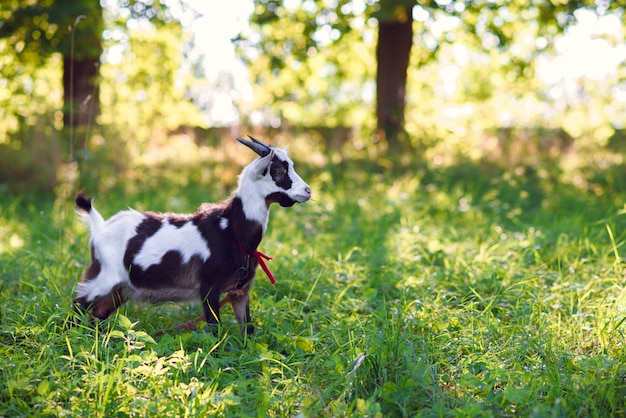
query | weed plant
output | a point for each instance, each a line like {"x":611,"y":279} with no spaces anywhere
{"x":462,"y":291}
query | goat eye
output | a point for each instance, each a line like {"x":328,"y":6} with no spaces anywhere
{"x":278,"y":174}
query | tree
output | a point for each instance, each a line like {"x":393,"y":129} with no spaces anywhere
{"x":74,"y":29}
{"x":393,"y":50}
{"x":492,"y":24}
{"x":38,"y":29}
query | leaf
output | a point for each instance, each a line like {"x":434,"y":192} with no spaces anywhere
{"x":304,"y":344}
{"x":125,"y":322}
{"x":516,"y":395}
{"x":117,"y":334}
{"x":144,"y":337}
{"x":44,"y":388}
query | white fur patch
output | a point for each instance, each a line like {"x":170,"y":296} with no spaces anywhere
{"x":223,"y":223}
{"x":187,"y":240}
{"x":109,"y":240}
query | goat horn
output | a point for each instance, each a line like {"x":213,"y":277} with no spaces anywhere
{"x":256,"y":146}
{"x":258,"y":142}
{"x":269,"y":147}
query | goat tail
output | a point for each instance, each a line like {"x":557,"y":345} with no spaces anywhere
{"x":83,"y":202}
{"x":88,"y":212}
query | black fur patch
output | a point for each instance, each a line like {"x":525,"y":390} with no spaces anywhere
{"x":249,"y":233}
{"x":94,"y":268}
{"x":279,"y":170}
{"x":171,"y":272}
{"x":281,"y":198}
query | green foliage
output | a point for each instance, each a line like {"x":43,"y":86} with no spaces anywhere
{"x":395,"y":10}
{"x":314,"y":65}
{"x":460,"y":290}
{"x":501,"y":43}
{"x":30,"y":96}
{"x":146,"y":91}
{"x":28,"y":92}
{"x":37,"y":29}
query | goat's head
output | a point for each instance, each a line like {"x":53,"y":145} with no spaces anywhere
{"x":272,"y":176}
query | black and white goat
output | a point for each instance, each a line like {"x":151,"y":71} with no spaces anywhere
{"x":158,"y":257}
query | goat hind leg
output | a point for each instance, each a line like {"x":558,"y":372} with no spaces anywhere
{"x":240,"y":300}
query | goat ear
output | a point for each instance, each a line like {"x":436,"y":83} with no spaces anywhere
{"x":265,"y":162}
{"x":256,"y":146}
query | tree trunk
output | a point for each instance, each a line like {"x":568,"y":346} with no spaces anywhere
{"x":392,"y":55}
{"x":81,"y":91}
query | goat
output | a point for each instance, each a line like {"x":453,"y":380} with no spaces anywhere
{"x":155,"y":257}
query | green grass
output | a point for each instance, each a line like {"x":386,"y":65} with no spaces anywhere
{"x":459,"y":292}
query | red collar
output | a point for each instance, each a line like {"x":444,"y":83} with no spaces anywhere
{"x":258,"y":255}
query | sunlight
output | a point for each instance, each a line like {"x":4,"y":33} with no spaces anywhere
{"x":10,"y":241}
{"x":586,"y":50}
{"x":226,"y":76}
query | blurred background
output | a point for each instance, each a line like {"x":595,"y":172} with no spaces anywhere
{"x":115,"y":94}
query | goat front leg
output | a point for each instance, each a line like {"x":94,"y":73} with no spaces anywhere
{"x":193,"y":324}
{"x":211,"y":305}
{"x":240,"y":300}
{"x":231,"y":296}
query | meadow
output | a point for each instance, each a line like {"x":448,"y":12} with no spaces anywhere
{"x":403,"y":289}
